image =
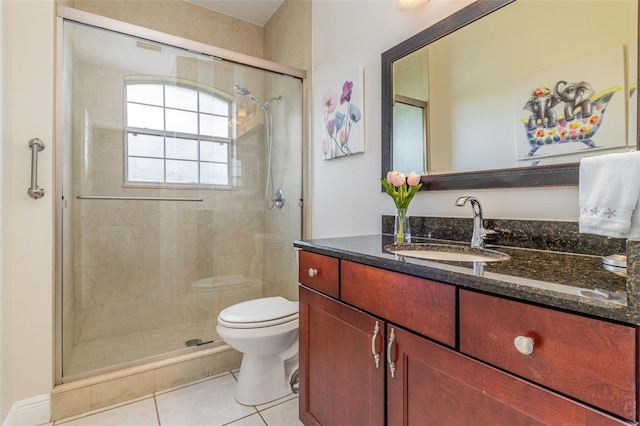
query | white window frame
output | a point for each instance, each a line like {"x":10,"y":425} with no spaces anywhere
{"x":170,"y":134}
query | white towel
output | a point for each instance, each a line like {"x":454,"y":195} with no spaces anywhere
{"x":609,"y":195}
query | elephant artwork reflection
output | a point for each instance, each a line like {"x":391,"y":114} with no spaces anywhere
{"x":541,"y":103}
{"x":573,"y":95}
{"x":583,"y":114}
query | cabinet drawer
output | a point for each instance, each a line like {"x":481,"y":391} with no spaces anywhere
{"x":319,"y":272}
{"x":424,"y":306}
{"x":589,"y":359}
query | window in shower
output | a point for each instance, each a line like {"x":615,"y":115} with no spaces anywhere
{"x":176,"y":134}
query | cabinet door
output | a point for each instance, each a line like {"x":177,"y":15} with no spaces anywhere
{"x":340,"y":383}
{"x":433,"y":385}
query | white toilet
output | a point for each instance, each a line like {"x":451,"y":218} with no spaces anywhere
{"x":266,"y":332}
{"x":212,"y":294}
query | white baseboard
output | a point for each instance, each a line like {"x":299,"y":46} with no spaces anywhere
{"x":30,"y":412}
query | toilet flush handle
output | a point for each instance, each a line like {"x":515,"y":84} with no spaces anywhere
{"x":313,"y":272}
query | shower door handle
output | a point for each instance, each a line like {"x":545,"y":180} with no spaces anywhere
{"x":34,"y":190}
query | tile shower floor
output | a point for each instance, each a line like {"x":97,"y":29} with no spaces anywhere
{"x":202,"y":403}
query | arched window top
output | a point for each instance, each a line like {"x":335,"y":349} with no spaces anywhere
{"x":176,"y":133}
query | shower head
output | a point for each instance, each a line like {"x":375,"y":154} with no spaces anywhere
{"x":242,"y":90}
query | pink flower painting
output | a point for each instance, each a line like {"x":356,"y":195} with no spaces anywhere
{"x":342,"y":124}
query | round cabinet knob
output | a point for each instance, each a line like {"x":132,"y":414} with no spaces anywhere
{"x":313,"y":272}
{"x":524,"y":344}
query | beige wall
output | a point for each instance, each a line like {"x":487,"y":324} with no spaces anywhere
{"x":6,"y":382}
{"x":26,"y":283}
{"x":181,"y":19}
{"x":409,"y":76}
{"x":287,"y":35}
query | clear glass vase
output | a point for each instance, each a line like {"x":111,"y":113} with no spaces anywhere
{"x":402,"y":230}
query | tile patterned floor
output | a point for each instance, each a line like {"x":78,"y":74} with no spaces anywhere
{"x":205,"y":402}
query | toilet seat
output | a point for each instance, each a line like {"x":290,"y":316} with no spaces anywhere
{"x":261,"y":324}
{"x":258,"y":313}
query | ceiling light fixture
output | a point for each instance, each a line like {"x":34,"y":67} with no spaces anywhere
{"x":244,"y":112}
{"x":409,"y":5}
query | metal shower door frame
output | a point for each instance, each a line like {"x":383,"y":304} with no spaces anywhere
{"x":64,"y":13}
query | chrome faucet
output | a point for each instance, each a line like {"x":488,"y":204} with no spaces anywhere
{"x":479,"y":232}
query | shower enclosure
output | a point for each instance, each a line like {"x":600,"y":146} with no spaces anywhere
{"x":162,"y":173}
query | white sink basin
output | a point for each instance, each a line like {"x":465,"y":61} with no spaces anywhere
{"x":446,"y":252}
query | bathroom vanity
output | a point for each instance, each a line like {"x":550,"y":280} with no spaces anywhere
{"x":544,"y":337}
{"x":387,"y":339}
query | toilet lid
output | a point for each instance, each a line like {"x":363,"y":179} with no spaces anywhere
{"x":259,"y":310}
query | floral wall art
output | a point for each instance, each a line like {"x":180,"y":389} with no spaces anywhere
{"x":342,"y":118}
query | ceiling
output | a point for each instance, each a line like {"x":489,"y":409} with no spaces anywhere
{"x":255,"y":11}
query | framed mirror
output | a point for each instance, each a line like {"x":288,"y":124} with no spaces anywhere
{"x":462,"y":99}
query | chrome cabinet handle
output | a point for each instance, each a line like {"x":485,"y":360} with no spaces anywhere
{"x":34,"y":190}
{"x":390,"y":355}
{"x":524,"y":344}
{"x":313,"y":272}
{"x":374,"y":346}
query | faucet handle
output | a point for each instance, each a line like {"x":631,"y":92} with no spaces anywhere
{"x":488,"y":234}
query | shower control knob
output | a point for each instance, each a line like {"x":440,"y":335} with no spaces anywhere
{"x":524,"y":344}
{"x":313,"y":272}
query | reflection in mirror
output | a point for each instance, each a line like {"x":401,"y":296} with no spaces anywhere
{"x":497,"y":99}
{"x":410,"y":113}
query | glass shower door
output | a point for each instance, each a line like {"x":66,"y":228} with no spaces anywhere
{"x":166,"y":176}
{"x":251,"y":237}
{"x":146,"y":137}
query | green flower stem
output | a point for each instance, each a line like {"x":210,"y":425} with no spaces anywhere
{"x":401,"y":216}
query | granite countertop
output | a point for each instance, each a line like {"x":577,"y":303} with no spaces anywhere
{"x":575,"y":282}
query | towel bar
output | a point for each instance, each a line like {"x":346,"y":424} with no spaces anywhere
{"x":109,"y":197}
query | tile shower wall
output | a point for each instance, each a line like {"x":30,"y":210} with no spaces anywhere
{"x":283,"y":226}
{"x":220,"y":226}
{"x":135,"y":260}
{"x":287,"y":40}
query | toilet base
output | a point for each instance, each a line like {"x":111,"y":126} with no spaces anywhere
{"x":262,"y":379}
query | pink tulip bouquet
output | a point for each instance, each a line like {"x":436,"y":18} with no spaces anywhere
{"x":401,"y":189}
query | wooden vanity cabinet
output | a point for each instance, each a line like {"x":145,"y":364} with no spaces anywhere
{"x":340,"y":383}
{"x":589,"y":359}
{"x":319,"y":273}
{"x":422,"y":378}
{"x":434,"y":385}
{"x":423,"y":306}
